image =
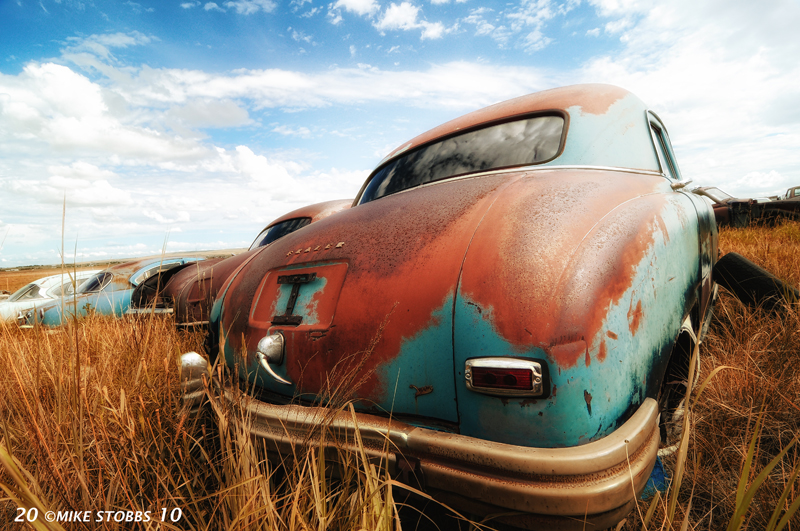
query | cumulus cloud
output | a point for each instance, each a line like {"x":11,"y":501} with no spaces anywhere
{"x":714,"y":72}
{"x":404,"y":16}
{"x":359,"y":7}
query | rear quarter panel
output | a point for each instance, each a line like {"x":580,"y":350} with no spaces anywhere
{"x":603,"y":314}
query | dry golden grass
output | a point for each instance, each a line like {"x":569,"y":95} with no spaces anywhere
{"x":763,"y":352}
{"x":91,"y":421}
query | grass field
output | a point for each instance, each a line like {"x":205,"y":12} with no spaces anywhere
{"x":91,"y":422}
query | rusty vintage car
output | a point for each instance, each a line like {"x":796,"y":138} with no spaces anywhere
{"x":107,"y":292}
{"x":508,"y":302}
{"x":743,"y":212}
{"x":188,"y":291}
{"x":41,"y":292}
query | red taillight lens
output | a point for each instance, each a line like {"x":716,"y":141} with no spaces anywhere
{"x":517,"y":379}
{"x":501,"y":376}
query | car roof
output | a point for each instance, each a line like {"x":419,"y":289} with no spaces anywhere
{"x":315,"y":212}
{"x":125,"y":272}
{"x":54,"y":280}
{"x":607,"y":126}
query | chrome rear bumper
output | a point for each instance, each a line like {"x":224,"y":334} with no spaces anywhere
{"x":591,"y":486}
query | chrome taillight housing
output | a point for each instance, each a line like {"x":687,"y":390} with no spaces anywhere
{"x":506,"y":376}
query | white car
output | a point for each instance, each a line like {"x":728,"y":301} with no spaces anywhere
{"x":40,"y":292}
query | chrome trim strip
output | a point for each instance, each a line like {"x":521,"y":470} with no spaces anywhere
{"x":527,"y":169}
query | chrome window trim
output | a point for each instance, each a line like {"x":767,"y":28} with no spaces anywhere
{"x":528,"y":169}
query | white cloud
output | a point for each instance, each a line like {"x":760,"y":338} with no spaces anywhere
{"x":520,"y":25}
{"x":209,"y":112}
{"x":300,"y":36}
{"x":482,"y":27}
{"x":719,"y":74}
{"x":399,"y":16}
{"x":359,"y":7}
{"x":189,"y":5}
{"x":137,"y":8}
{"x":311,"y":12}
{"x":284,"y":130}
{"x":404,"y":16}
{"x":594,"y":32}
{"x":250,"y":7}
{"x":212,"y":6}
{"x":81,"y":171}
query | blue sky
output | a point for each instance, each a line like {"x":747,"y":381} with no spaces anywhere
{"x":199,"y":122}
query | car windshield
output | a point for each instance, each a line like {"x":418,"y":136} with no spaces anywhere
{"x":279,"y":230}
{"x":31,"y":291}
{"x":717,"y":195}
{"x":95,"y":283}
{"x":155,"y":269}
{"x":522,"y":142}
{"x":62,"y":290}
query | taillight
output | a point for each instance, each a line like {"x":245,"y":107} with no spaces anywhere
{"x":506,"y":377}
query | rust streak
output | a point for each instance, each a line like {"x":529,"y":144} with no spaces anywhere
{"x":601,"y":355}
{"x":635,"y":317}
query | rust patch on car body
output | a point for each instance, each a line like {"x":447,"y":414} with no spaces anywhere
{"x":634,"y":317}
{"x":404,"y":254}
{"x":543,"y":231}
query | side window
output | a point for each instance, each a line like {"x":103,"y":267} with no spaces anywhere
{"x":64,"y":290}
{"x":664,"y":149}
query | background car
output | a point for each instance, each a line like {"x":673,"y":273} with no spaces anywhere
{"x":41,"y":292}
{"x":189,"y":291}
{"x":510,"y":302}
{"x":107,"y":292}
{"x":792,"y":193}
{"x":741,"y":212}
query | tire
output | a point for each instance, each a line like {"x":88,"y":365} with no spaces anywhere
{"x":752,"y":284}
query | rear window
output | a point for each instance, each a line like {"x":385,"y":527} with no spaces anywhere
{"x":279,"y":230}
{"x":531,"y":140}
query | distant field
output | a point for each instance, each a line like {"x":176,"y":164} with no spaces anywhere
{"x":91,"y":413}
{"x":11,"y":279}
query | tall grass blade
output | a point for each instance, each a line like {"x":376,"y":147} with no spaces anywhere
{"x":743,"y":504}
{"x":787,"y":489}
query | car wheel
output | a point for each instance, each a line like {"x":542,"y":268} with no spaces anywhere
{"x":674,"y":387}
{"x":752,"y":284}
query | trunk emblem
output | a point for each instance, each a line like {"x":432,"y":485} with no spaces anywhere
{"x":317,"y":248}
{"x":295,"y":280}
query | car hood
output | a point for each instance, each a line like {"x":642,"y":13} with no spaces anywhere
{"x":393,"y":275}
